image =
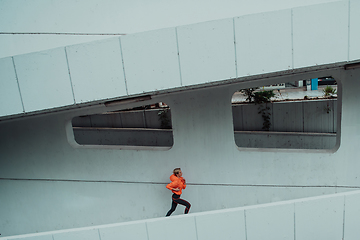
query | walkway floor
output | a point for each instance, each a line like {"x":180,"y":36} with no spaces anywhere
{"x":288,"y":93}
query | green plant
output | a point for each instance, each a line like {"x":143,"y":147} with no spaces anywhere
{"x":263,"y":96}
{"x":329,"y":91}
{"x":265,"y":114}
{"x":249,"y":93}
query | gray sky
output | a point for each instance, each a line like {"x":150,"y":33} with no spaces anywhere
{"x":112,"y":16}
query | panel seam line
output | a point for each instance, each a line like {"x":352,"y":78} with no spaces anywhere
{"x":294,"y":222}
{"x":246,"y":237}
{"x":348,"y":48}
{"x":18,"y":84}
{"x":178,"y":54}
{"x":236,"y":65}
{"x":196,"y":230}
{"x":99,"y":233}
{"x":343,"y":232}
{"x":147,"y":230}
{"x":123,"y":66}
{"x":71,"y":83}
{"x":292,"y":38}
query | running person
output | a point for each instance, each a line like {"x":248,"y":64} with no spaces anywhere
{"x":176,"y":186}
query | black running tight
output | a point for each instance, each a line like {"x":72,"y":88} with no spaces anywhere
{"x":177,"y":200}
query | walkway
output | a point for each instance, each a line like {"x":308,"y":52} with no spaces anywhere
{"x":288,"y":93}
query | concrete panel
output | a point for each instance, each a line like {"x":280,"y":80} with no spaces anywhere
{"x":81,"y":121}
{"x":133,"y":119}
{"x":133,"y":231}
{"x":320,"y":34}
{"x":319,"y":219}
{"x":168,"y":228}
{"x":38,"y":237}
{"x":285,"y":140}
{"x":207,"y":52}
{"x":354,"y":41}
{"x":318,"y":116}
{"x":92,"y":234}
{"x":263,"y":43}
{"x":96,"y":70}
{"x":253,"y":120}
{"x":9,"y":90}
{"x":334,"y":113}
{"x":151,"y":61}
{"x":106,"y":120}
{"x":124,"y":136}
{"x":288,"y":117}
{"x":275,"y":222}
{"x":237,"y":112}
{"x":53,"y":205}
{"x":44,"y":80}
{"x":223,"y":225}
{"x":352,"y":217}
{"x":37,"y":148}
{"x":152,"y":119}
{"x":129,"y":119}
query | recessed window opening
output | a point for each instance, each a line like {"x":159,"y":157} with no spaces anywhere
{"x":294,"y":115}
{"x":147,"y":126}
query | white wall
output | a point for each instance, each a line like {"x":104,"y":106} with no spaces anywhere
{"x":295,"y":125}
{"x":180,"y":57}
{"x":108,"y":16}
{"x":49,"y":183}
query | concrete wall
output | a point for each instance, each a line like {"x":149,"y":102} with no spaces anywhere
{"x":289,"y":121}
{"x":330,"y":217}
{"x":285,"y":140}
{"x":121,"y":17}
{"x":148,"y":118}
{"x":48,"y":182}
{"x":180,"y":57}
{"x":297,"y":116}
{"x":164,"y":138}
{"x":124,"y":136}
{"x":293,"y":116}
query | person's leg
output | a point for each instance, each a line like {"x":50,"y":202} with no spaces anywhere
{"x":173,"y":205}
{"x":185,"y":203}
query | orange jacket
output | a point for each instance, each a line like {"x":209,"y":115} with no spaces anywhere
{"x":176,"y":182}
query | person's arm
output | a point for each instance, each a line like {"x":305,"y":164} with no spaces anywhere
{"x":172,"y":186}
{"x":184,"y":183}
